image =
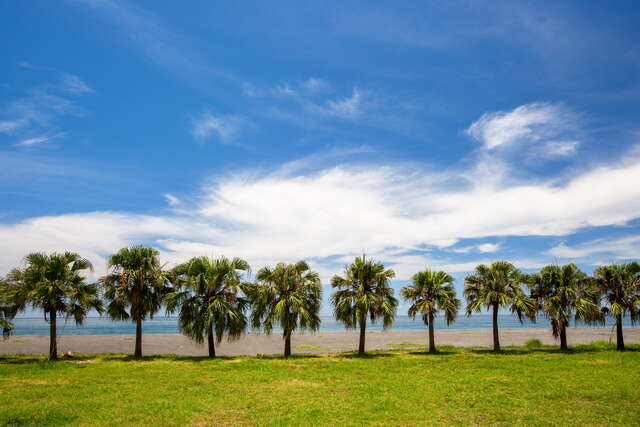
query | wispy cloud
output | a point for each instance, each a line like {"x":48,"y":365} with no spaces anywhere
{"x":34,"y":118}
{"x":74,"y":84}
{"x":537,"y":123}
{"x":207,"y":125}
{"x":144,"y":31}
{"x":171,"y":199}
{"x":348,"y":108}
{"x":618,"y":248}
{"x":29,"y":142}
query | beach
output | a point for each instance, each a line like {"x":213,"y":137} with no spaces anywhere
{"x":325,"y":342}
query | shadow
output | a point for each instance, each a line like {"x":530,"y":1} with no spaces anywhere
{"x":296,"y":356}
{"x":19,"y":359}
{"x":371,"y":355}
{"x":438,"y":353}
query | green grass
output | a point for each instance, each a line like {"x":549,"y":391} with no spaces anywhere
{"x":405,"y":345}
{"x":308,"y":347}
{"x":588,"y":385}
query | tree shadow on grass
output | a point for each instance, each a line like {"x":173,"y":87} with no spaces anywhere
{"x":19,"y":359}
{"x":438,"y":353}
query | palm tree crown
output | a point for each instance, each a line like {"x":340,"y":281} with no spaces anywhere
{"x":363,"y":292}
{"x":430,"y":292}
{"x":495,"y":286}
{"x":562,"y":293}
{"x":136,"y":282}
{"x":288,"y":295}
{"x":54,"y":284}
{"x":207,"y":294}
{"x":620,"y":287}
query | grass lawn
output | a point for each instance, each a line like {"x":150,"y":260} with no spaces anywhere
{"x":590,"y":385}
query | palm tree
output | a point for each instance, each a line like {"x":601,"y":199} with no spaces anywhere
{"x":620,"y":286}
{"x":7,"y":309}
{"x":54,"y":284}
{"x":563,"y":293}
{"x":288,"y":295}
{"x":495,"y":286}
{"x":136,"y":282}
{"x":207,"y":293}
{"x":430,"y":292}
{"x":363,"y":292}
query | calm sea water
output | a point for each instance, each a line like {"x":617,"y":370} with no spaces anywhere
{"x":168,"y":325}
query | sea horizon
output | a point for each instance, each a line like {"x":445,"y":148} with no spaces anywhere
{"x":169,"y":325}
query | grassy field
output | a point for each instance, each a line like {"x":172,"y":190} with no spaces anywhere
{"x":590,"y":385}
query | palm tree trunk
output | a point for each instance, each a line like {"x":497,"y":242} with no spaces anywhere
{"x":363,"y":330}
{"x":496,"y":337}
{"x":212,"y":347}
{"x":287,"y":344}
{"x":563,"y":337}
{"x":138,"y":352}
{"x":53,"y":341}
{"x":619,"y":337}
{"x":432,"y":340}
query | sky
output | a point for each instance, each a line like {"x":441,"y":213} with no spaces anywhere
{"x":439,"y":134}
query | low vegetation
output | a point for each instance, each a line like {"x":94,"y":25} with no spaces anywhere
{"x":591,"y":384}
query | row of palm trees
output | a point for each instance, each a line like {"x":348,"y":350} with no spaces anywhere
{"x":213,"y":297}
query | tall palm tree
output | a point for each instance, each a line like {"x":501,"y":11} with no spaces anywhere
{"x":207,"y":293}
{"x":363,"y":292}
{"x":495,"y":286}
{"x":430,"y":292}
{"x":562,"y":293}
{"x":135,"y":282}
{"x":288,"y":295}
{"x":620,"y":287}
{"x":54,"y":284}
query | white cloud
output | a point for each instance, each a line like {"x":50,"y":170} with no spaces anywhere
{"x":315,"y":84}
{"x":619,"y":248}
{"x":30,"y":142}
{"x":483,"y":248}
{"x":74,"y":84}
{"x":340,"y":211}
{"x":171,"y":199}
{"x":559,"y":148}
{"x":225,"y":128}
{"x":347,"y":108}
{"x":531,"y":123}
{"x":9,"y":126}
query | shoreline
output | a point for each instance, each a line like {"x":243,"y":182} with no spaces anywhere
{"x":252,"y":344}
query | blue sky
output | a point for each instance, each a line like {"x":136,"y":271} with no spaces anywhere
{"x":426,"y":134}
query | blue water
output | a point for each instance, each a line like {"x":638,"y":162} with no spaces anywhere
{"x":167,"y":325}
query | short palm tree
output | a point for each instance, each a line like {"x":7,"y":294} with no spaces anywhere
{"x":495,"y":286}
{"x":288,"y":295}
{"x":363,"y":292}
{"x":430,"y":292}
{"x":562,"y":293}
{"x":54,"y":284}
{"x":207,"y":293}
{"x":620,"y":287}
{"x":8,"y":309}
{"x":137,"y":283}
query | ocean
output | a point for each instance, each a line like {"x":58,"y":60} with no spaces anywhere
{"x":169,"y":325}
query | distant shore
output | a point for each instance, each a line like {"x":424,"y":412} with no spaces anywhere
{"x":324,"y":342}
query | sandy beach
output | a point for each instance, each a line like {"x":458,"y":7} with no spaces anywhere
{"x":326,"y":342}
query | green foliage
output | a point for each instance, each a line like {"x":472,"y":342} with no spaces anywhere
{"x":591,"y":385}
{"x":288,"y":295}
{"x":136,"y":284}
{"x":564,"y":293}
{"x":207,"y":294}
{"x":498,"y":285}
{"x":430,"y":292}
{"x":52,"y":283}
{"x":620,"y":287}
{"x":363,"y":292}
{"x":533,"y":343}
